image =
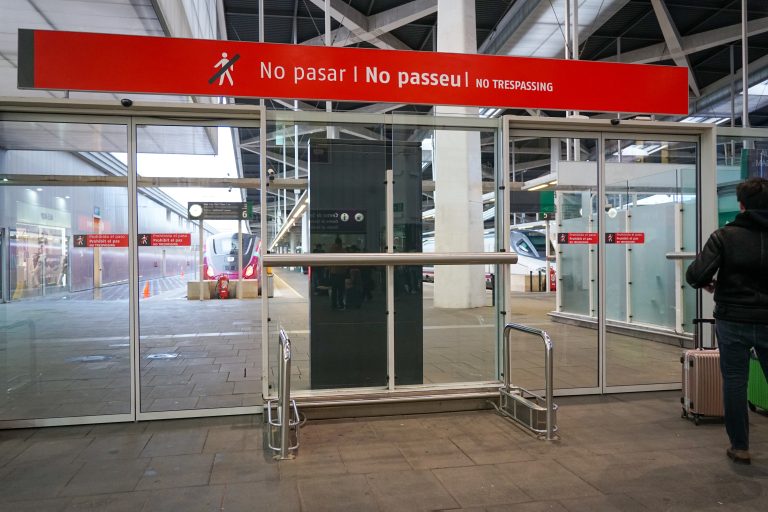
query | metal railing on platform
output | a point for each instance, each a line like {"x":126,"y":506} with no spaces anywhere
{"x":284,"y":425}
{"x":528,"y":409}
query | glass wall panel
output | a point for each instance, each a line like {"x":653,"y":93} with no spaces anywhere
{"x":64,"y":345}
{"x":327,"y":195}
{"x":459,"y":344}
{"x":199,"y":287}
{"x":444,"y":202}
{"x":558,"y":206}
{"x":344,"y":166}
{"x":650,"y":211}
{"x":738,"y":158}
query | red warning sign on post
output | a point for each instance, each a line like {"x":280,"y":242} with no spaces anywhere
{"x":625,"y":238}
{"x":165,"y":240}
{"x":101,"y":240}
{"x":577,"y":238}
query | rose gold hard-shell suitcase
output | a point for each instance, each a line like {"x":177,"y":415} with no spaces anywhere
{"x":702,"y":381}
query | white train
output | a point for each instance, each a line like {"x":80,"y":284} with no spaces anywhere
{"x":529,"y":244}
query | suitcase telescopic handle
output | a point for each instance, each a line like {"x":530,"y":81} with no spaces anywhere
{"x":699,"y":331}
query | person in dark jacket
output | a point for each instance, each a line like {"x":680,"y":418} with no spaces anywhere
{"x":738,"y":254}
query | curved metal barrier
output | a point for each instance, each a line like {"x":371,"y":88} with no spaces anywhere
{"x":286,"y":421}
{"x":528,"y":409}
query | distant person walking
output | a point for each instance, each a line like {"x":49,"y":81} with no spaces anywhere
{"x":738,"y":254}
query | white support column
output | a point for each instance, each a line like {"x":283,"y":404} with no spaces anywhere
{"x":458,"y":177}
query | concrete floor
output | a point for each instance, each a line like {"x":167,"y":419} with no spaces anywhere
{"x":617,"y":453}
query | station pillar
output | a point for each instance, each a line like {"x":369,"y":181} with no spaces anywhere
{"x":458,"y":176}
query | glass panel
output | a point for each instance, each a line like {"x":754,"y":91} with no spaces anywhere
{"x":650,"y":211}
{"x":444,"y":201}
{"x":198,"y":353}
{"x":335,"y":316}
{"x":559,"y":174}
{"x":459,"y":344}
{"x":737,"y":159}
{"x":64,"y":348}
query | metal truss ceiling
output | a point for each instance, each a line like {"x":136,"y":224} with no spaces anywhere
{"x":696,"y":33}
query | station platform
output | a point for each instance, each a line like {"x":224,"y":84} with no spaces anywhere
{"x":618,"y":452}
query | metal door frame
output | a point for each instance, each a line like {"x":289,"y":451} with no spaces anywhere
{"x":602,"y":130}
{"x":101,"y":112}
{"x":5,"y":266}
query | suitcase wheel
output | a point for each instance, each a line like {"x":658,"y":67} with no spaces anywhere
{"x":752,"y":407}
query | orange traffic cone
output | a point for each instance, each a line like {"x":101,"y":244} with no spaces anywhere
{"x":146,"y":290}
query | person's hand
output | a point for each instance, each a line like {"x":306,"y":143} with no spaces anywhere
{"x":711,"y":287}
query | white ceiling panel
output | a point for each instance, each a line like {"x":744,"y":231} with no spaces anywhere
{"x":136,"y":17}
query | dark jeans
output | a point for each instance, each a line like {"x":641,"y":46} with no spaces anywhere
{"x":735,"y":339}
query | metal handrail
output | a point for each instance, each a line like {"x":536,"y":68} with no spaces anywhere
{"x":680,"y":255}
{"x":284,"y":404}
{"x":383,"y":259}
{"x":284,"y":393}
{"x":548,"y":369}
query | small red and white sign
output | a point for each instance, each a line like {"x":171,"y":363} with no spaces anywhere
{"x":79,"y":61}
{"x":577,"y":238}
{"x":101,"y":240}
{"x":625,"y":238}
{"x":165,"y":239}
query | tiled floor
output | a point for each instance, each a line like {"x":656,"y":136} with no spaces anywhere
{"x":617,"y":453}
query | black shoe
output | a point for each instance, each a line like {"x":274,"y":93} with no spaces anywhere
{"x":739,"y":456}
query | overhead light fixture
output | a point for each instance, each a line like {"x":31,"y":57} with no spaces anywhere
{"x":539,"y":182}
{"x":553,"y":182}
{"x":39,"y":189}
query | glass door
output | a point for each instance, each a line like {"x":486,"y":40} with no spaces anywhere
{"x":618,"y":308}
{"x":554,"y":230}
{"x":198,"y":288}
{"x":649,"y":212}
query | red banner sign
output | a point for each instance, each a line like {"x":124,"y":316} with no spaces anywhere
{"x":101,"y":240}
{"x":577,"y":238}
{"x":625,"y":238}
{"x":165,"y":240}
{"x":121,"y":63}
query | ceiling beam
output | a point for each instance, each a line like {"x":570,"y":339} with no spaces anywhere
{"x":378,"y":108}
{"x":357,"y":25}
{"x":693,"y":43}
{"x":672,"y":38}
{"x":381,"y":23}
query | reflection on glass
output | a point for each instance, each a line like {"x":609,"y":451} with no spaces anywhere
{"x":558,"y":178}
{"x":452,"y":306}
{"x":64,"y":308}
{"x":199,"y":275}
{"x":651,"y":186}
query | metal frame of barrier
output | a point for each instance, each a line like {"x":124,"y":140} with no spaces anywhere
{"x":287,"y":419}
{"x":528,"y":409}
